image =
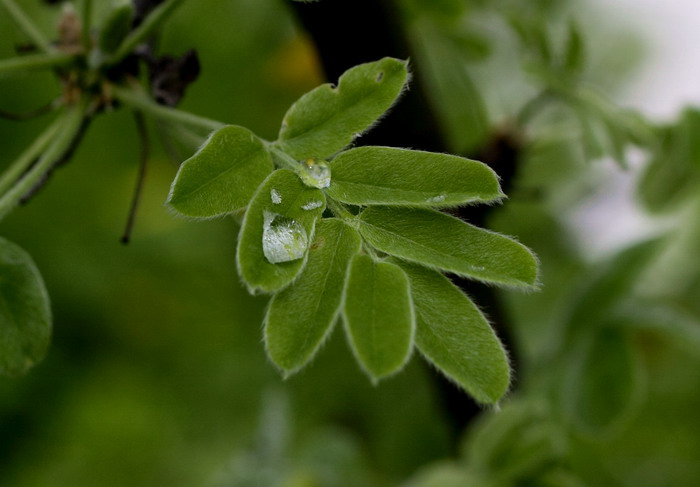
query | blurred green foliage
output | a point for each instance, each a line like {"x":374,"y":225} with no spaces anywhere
{"x":156,"y":374}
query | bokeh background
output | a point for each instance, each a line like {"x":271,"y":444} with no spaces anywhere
{"x":157,"y":375}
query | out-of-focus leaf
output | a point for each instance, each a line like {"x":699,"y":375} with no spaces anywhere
{"x":389,"y":176}
{"x":446,"y":475}
{"x":603,"y":382}
{"x":301,"y":316}
{"x":277,"y":229}
{"x":116,"y":26}
{"x":328,"y":118}
{"x":222,"y":176}
{"x":613,"y":282}
{"x":379,"y":316}
{"x":574,"y":54}
{"x":25,"y":314}
{"x":670,"y":322}
{"x":457,"y":101}
{"x":673,"y":174}
{"x":515,"y":444}
{"x":454,"y":336}
{"x":441,"y":241}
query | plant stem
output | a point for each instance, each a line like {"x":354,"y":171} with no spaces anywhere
{"x":26,"y":24}
{"x":284,"y":159}
{"x":339,"y":210}
{"x":34,"y":62}
{"x":146,"y":28}
{"x":70,"y":123}
{"x":140,"y":178}
{"x":86,"y":24}
{"x":140,"y":101}
{"x":25,"y":160}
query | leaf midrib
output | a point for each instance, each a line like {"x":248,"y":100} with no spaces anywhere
{"x":239,"y":166}
{"x":438,"y":252}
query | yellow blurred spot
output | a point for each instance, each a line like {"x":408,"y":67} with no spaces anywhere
{"x":296,"y":65}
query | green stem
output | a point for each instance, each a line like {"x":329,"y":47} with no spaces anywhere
{"x":339,"y":210}
{"x":26,"y":24}
{"x":140,"y":101}
{"x":87,"y":24}
{"x":70,"y":123}
{"x":284,"y":159}
{"x":25,"y":160}
{"x":34,"y":62}
{"x":145,"y":29}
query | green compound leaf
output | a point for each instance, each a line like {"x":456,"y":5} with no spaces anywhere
{"x":116,"y":27}
{"x":276,"y":231}
{"x":379,"y":316}
{"x":389,"y":176}
{"x":25,"y":314}
{"x":328,"y":118}
{"x":301,"y":316}
{"x":604,"y":382}
{"x":454,"y":336}
{"x":222,"y":176}
{"x":441,"y":241}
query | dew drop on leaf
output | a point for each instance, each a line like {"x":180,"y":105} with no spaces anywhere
{"x":283,"y":239}
{"x":312,"y":205}
{"x":437,"y":199}
{"x":275,"y":196}
{"x":315,"y":173}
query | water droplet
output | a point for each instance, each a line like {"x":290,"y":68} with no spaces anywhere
{"x":478,"y":268}
{"x":275,"y":196}
{"x":316,"y":173}
{"x":284,"y":239}
{"x":312,"y":205}
{"x":437,"y":199}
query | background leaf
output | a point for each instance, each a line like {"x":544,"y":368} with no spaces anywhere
{"x":281,"y":194}
{"x":301,"y":316}
{"x":328,"y":118}
{"x":379,"y":316}
{"x":222,"y":176}
{"x":461,"y":248}
{"x":603,"y":382}
{"x":673,"y":174}
{"x":25,"y":314}
{"x":454,"y":336}
{"x":389,"y":176}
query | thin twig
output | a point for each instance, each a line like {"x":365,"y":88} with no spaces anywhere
{"x":72,"y":124}
{"x":66,"y":156}
{"x":29,"y":156}
{"x":26,"y":24}
{"x":33,"y":62}
{"x":145,"y":29}
{"x":140,"y":178}
{"x":140,"y":101}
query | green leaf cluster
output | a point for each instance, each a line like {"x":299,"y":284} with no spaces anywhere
{"x":356,"y":233}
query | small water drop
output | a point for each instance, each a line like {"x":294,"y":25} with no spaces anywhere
{"x":316,"y":173}
{"x":275,"y":196}
{"x":283,"y":239}
{"x":312,"y":205}
{"x":478,"y":268}
{"x":437,"y":199}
